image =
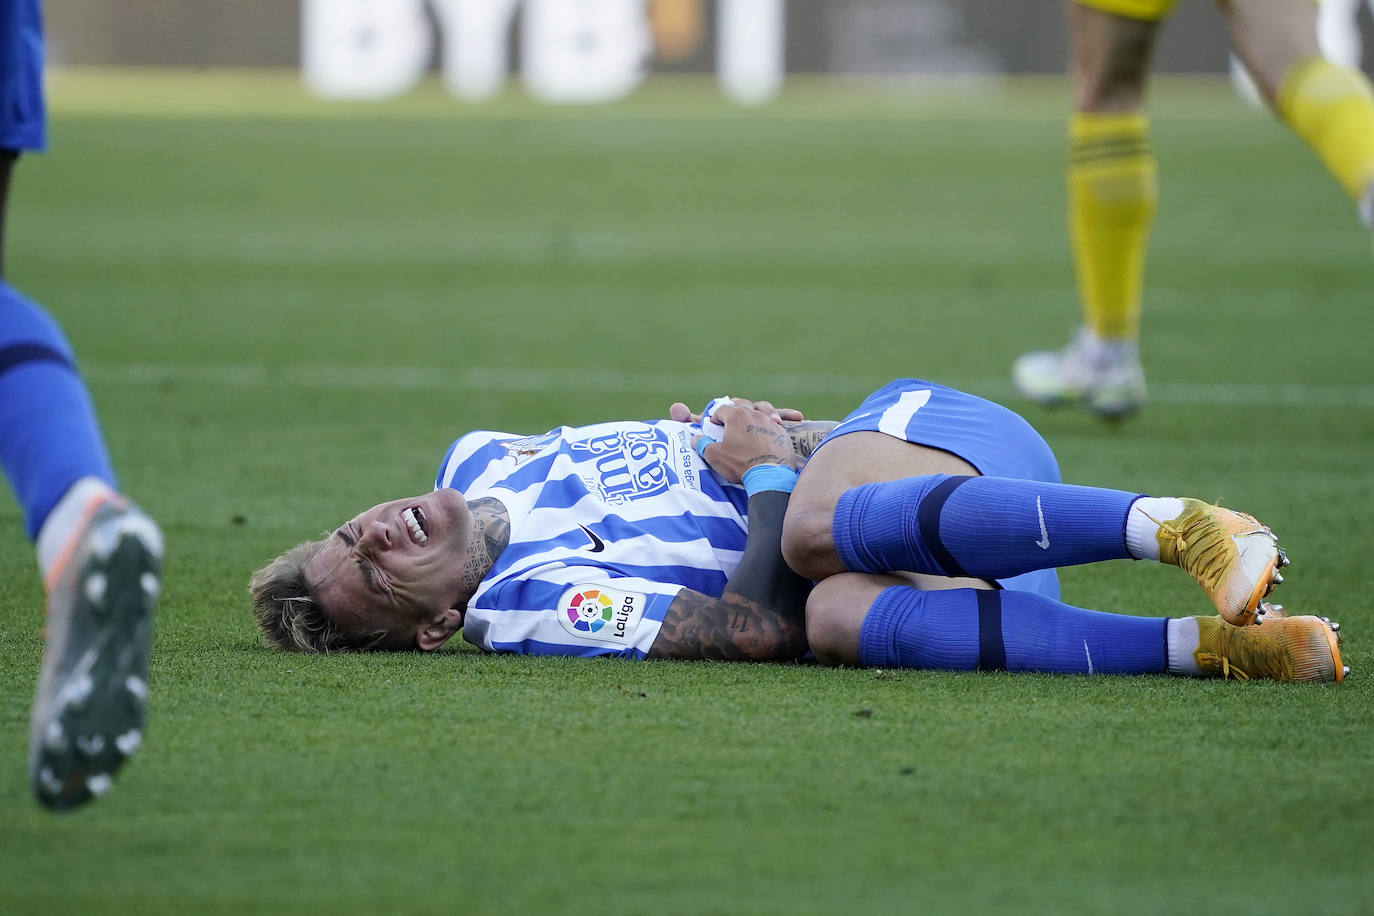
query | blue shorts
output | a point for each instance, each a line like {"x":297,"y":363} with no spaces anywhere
{"x":995,"y":440}
{"x":23,"y":119}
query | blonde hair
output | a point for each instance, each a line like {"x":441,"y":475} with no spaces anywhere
{"x":288,"y":613}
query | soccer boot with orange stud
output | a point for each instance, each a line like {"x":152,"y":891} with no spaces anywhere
{"x":1301,"y":649}
{"x":1231,"y":555}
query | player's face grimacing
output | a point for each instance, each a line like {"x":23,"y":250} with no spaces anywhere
{"x":397,"y":567}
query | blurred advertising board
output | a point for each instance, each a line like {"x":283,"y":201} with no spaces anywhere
{"x":596,"y":50}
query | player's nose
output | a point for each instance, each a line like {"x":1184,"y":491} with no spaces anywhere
{"x":377,"y":535}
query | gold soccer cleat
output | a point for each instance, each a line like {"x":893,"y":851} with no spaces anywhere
{"x":1284,"y":649}
{"x":1231,"y":555}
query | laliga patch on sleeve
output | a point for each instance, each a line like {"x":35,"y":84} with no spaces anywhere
{"x":602,"y":614}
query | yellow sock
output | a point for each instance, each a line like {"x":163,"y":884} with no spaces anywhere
{"x":1332,"y":109}
{"x":1113,"y":191}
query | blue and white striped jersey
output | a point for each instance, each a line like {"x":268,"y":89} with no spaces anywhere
{"x":607,"y":524}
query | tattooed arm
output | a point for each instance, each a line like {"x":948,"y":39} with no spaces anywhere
{"x":806,"y":435}
{"x":751,"y":437}
{"x":762,"y":614}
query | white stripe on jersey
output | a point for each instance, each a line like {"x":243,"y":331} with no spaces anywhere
{"x":608,"y":523}
{"x":897,"y":417}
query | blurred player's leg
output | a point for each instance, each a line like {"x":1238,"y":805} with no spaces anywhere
{"x":1338,"y":32}
{"x":1338,"y":37}
{"x":51,"y":438}
{"x":1329,"y":106}
{"x":1112,"y":194}
{"x":878,"y":621}
{"x":100,"y":557}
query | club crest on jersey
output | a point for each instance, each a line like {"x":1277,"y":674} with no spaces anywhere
{"x":602,"y":614}
{"x":523,"y":450}
{"x":630,"y":464}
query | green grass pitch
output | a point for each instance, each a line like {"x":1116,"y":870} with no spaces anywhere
{"x":287,"y":311}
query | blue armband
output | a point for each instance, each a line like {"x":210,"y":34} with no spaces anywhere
{"x":763,"y":477}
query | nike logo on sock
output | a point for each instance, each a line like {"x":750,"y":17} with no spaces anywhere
{"x":1044,"y":542}
{"x":598,"y":545}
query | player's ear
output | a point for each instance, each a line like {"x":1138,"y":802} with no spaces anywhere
{"x":439,"y":630}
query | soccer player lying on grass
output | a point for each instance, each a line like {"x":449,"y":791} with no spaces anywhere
{"x":923,"y":531}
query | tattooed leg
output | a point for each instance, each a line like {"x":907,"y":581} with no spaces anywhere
{"x":850,"y":461}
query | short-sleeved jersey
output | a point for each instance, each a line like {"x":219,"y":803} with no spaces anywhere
{"x":607,"y":524}
{"x":23,"y":118}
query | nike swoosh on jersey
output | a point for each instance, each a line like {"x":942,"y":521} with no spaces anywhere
{"x":1044,"y":542}
{"x":598,"y":545}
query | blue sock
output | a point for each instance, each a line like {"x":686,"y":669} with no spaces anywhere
{"x":49,"y":437}
{"x":963,"y":629}
{"x":986,"y":527}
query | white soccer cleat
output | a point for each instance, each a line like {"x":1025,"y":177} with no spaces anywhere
{"x":89,"y":710}
{"x":1107,"y":379}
